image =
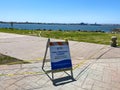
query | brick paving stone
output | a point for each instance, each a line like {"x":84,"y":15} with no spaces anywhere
{"x":94,"y":66}
{"x":82,"y":74}
{"x":37,"y":65}
{"x":43,"y":80}
{"x":115,"y":89}
{"x":96,"y":75}
{"x":115,"y":85}
{"x":103,"y":85}
{"x":107,"y":76}
{"x":7,"y":83}
{"x":10,"y":67}
{"x":99,"y":68}
{"x":31,"y":86}
{"x":99,"y":88}
{"x":49,"y":88}
{"x":79,"y":82}
{"x":88,"y":84}
{"x":1,"y":87}
{"x":70,"y":86}
{"x":100,"y":71}
{"x":13,"y":87}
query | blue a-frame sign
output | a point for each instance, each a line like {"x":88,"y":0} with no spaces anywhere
{"x":59,"y":57}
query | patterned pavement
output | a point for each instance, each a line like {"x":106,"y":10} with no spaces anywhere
{"x":95,"y":67}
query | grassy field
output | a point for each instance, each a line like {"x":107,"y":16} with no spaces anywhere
{"x":91,"y":37}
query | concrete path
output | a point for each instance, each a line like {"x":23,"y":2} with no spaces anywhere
{"x":95,"y":67}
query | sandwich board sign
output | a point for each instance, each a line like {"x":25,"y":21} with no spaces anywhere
{"x":60,"y":55}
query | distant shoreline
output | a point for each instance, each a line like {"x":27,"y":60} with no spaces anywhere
{"x":82,"y":23}
{"x":59,"y":26}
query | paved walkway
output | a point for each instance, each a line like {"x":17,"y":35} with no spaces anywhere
{"x":95,"y":67}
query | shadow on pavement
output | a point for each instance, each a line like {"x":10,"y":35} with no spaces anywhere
{"x":63,"y":80}
{"x":7,"y":60}
{"x":60,"y":80}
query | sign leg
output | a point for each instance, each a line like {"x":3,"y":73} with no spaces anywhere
{"x":52,"y":76}
{"x":71,"y":72}
{"x":45,"y":53}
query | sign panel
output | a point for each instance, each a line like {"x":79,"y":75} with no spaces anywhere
{"x":60,"y":55}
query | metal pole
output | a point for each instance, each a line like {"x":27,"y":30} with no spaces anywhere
{"x":47,"y":45}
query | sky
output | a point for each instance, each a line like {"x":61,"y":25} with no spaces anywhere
{"x":61,"y":11}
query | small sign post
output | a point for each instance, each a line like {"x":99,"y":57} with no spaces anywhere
{"x":59,"y":56}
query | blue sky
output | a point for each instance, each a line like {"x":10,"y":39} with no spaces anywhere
{"x":61,"y":11}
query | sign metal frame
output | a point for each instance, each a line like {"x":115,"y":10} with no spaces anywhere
{"x":56,"y":70}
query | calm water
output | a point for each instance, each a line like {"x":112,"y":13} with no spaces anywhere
{"x":105,"y":28}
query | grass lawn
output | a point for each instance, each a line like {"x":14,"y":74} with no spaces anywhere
{"x":91,"y":37}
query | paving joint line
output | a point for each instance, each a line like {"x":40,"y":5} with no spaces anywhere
{"x":75,"y":67}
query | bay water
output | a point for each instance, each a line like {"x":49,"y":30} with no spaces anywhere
{"x":105,"y":28}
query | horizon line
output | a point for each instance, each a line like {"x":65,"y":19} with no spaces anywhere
{"x":95,"y":23}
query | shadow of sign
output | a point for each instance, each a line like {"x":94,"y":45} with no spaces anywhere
{"x":63,"y":80}
{"x":60,"y":80}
